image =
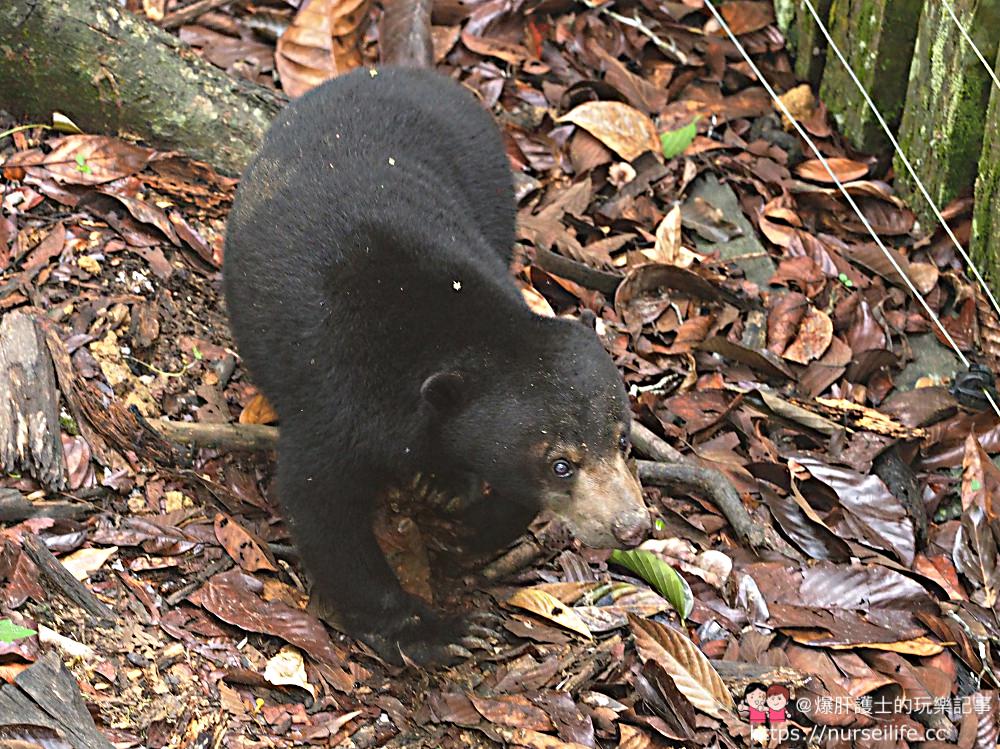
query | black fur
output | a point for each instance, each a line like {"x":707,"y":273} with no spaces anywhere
{"x":367,"y":284}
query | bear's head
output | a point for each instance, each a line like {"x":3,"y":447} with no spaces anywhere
{"x":544,"y":423}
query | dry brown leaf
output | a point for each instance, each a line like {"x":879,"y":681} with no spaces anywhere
{"x":534,"y":739}
{"x":800,"y":102}
{"x":668,"y":238}
{"x":622,"y":128}
{"x":847,"y":170}
{"x":922,"y":646}
{"x":747,"y":16}
{"x":549,"y":607}
{"x":286,"y":667}
{"x":512,"y":710}
{"x":633,"y":738}
{"x":94,"y":159}
{"x":85,"y":562}
{"x":924,"y":276}
{"x":813,"y":338}
{"x":537,"y":303}
{"x":321,"y":42}
{"x":246,"y":549}
{"x":258,"y":411}
{"x":691,"y":671}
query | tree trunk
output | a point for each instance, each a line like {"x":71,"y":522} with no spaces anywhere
{"x":877,"y":38}
{"x":942,"y":128}
{"x":110,"y":71}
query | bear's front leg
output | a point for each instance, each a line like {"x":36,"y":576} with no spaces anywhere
{"x":330,"y":508}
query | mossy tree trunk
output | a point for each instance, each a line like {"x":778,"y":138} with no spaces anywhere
{"x":110,"y":71}
{"x":949,"y":90}
{"x":986,"y":218}
{"x":877,"y":38}
{"x":803,"y":36}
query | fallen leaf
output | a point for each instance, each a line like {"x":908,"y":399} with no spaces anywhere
{"x":668,"y":238}
{"x":622,"y":128}
{"x":321,"y":42}
{"x":813,"y":338}
{"x":286,"y":667}
{"x":258,"y":411}
{"x":94,"y":159}
{"x":85,"y":562}
{"x":246,"y":549}
{"x":549,"y":607}
{"x":691,"y":671}
{"x":675,"y":142}
{"x":846,"y":170}
{"x":513,"y":710}
{"x":660,"y":575}
{"x":747,"y":16}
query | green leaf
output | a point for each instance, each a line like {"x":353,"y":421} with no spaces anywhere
{"x":10,"y":632}
{"x":660,"y":575}
{"x":675,"y":141}
{"x":845,"y":280}
{"x":976,"y":485}
{"x":197,"y":353}
{"x":81,"y":164}
{"x":659,"y":524}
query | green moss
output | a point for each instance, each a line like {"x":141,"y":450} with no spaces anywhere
{"x":942,"y":127}
{"x":986,"y":216}
{"x":877,"y":38}
{"x":113,"y":72}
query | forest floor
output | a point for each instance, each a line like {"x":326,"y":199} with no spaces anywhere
{"x":760,"y":330}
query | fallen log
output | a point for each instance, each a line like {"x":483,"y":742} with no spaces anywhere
{"x":110,"y":71}
{"x":45,"y":697}
{"x":29,"y":403}
{"x":16,"y":508}
{"x":62,"y":582}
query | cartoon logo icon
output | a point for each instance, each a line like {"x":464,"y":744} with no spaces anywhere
{"x":755,"y":709}
{"x":766,"y":710}
{"x":777,"y":701}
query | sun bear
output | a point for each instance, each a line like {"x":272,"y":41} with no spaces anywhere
{"x":366,"y":277}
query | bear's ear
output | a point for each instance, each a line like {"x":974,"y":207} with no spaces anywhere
{"x":443,"y":390}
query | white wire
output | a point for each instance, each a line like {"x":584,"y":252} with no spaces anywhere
{"x":847,"y":196}
{"x":965,"y":34}
{"x":840,"y":185}
{"x":906,"y":162}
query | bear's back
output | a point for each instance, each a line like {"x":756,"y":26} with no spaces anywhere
{"x":348,"y":147}
{"x":368,"y":184}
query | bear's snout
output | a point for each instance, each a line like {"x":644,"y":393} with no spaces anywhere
{"x":607,"y":508}
{"x":631,"y":528}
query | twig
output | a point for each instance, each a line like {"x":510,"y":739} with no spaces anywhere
{"x":61,"y":579}
{"x":189,"y":13}
{"x":673,"y":469}
{"x":596,"y":661}
{"x":219,"y":565}
{"x":521,"y":556}
{"x":577,"y":272}
{"x":249,"y":437}
{"x":714,"y":485}
{"x":650,"y":445}
{"x":668,"y":48}
{"x":405,"y":36}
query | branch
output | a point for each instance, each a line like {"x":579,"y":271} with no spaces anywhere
{"x":675,"y":470}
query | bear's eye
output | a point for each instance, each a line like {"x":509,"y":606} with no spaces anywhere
{"x":623,"y":443}
{"x":562,"y":468}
